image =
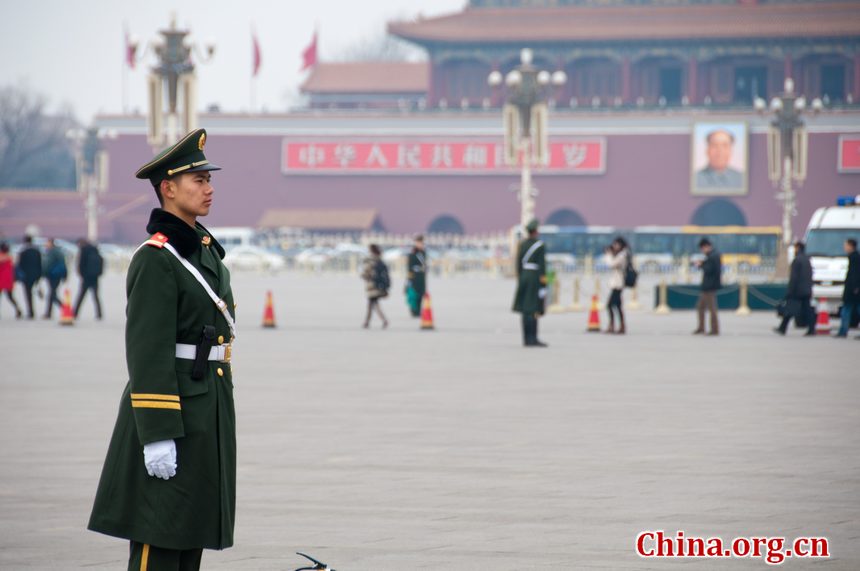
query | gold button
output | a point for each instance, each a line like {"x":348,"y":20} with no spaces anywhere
{"x":220,"y":372}
{"x":220,"y":339}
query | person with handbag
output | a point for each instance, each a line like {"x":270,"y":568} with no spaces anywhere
{"x":55,"y":271}
{"x":617,"y":257}
{"x":377,"y":282}
{"x":799,"y":293}
{"x":416,"y":276}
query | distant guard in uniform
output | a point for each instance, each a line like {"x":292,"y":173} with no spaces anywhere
{"x":416,"y":267}
{"x":169,"y":480}
{"x":531,"y":284}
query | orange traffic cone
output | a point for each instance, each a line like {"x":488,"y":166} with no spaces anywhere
{"x":66,"y":315}
{"x":269,"y":312}
{"x":426,"y":313}
{"x":822,"y":324}
{"x":594,"y":316}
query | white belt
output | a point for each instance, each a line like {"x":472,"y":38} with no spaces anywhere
{"x":530,"y":266}
{"x":217,"y":353}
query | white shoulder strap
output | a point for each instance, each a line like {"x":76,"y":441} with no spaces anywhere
{"x":526,"y":264}
{"x":219,"y":303}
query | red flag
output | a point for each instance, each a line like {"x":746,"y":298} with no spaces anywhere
{"x":257,"y":59}
{"x":309,"y":55}
{"x":130,"y":50}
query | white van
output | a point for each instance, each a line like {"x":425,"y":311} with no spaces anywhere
{"x":825,"y":238}
{"x":233,"y":236}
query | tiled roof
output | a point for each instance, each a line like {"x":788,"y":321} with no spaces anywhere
{"x":368,"y":77}
{"x":619,"y":23}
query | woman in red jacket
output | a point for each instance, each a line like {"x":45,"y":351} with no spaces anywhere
{"x":7,"y":277}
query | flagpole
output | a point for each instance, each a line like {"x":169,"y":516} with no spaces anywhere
{"x":255,"y":64}
{"x":124,"y":85}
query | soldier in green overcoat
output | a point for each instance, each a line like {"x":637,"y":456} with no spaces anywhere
{"x":169,"y":480}
{"x":531,"y":284}
{"x":416,"y":274}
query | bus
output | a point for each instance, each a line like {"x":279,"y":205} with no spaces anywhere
{"x":656,"y":247}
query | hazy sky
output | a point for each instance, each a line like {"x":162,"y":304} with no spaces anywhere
{"x":72,"y":52}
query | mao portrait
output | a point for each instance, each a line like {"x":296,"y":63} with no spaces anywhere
{"x":719,"y":158}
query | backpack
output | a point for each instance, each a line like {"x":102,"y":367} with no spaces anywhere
{"x":95,"y":264}
{"x":630,"y":273}
{"x":381,"y":279}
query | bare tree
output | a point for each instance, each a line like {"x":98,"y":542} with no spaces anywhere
{"x":34,"y":151}
{"x":380,"y":47}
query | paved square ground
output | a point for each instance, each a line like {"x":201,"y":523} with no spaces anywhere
{"x":457,"y":448}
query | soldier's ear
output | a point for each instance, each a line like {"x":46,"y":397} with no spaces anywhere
{"x":168,"y":188}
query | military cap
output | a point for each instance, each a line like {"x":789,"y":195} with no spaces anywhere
{"x":185,"y":156}
{"x":532,"y":225}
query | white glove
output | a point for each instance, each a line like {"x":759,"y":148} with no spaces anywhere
{"x":542,"y":293}
{"x":160,"y":459}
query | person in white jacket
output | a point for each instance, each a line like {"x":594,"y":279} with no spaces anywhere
{"x":616,"y":257}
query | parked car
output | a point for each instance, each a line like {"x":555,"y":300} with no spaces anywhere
{"x":254,"y":258}
{"x":314,"y":256}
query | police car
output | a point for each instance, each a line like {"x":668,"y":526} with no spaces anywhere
{"x":828,"y":229}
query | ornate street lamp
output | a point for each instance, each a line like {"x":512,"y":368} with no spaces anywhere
{"x":787,"y":154}
{"x":91,"y":170}
{"x":174,"y":73}
{"x":525,"y":122}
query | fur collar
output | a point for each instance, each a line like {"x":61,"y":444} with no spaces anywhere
{"x":179,"y":234}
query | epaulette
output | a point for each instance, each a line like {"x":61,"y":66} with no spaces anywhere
{"x":157,"y":240}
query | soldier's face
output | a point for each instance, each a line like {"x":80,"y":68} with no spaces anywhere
{"x":719,"y":150}
{"x":191,"y":193}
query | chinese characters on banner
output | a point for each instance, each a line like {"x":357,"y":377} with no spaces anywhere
{"x":849,"y":153}
{"x":387,"y":156}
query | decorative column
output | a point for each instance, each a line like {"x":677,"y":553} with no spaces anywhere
{"x":856,"y":90}
{"x":692,"y":80}
{"x":626,"y":95}
{"x":788,"y":69}
{"x":432,"y":95}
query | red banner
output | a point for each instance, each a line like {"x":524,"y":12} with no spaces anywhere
{"x":449,"y":156}
{"x":849,"y":153}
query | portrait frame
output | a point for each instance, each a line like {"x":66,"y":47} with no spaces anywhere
{"x":734,"y":180}
{"x":841,"y":166}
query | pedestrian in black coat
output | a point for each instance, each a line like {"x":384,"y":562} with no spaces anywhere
{"x":851,"y":292}
{"x":799,"y":292}
{"x":29,"y":271}
{"x":90,"y":266}
{"x":712,"y":270}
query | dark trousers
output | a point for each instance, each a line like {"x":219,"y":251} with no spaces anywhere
{"x":708,"y":301}
{"x":805,"y":309}
{"x":89,"y":284}
{"x":614,"y":305}
{"x":144,"y":557}
{"x":14,"y":303}
{"x":28,"y":297}
{"x":530,"y":329}
{"x":53,"y":286}
{"x":846,"y":315}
